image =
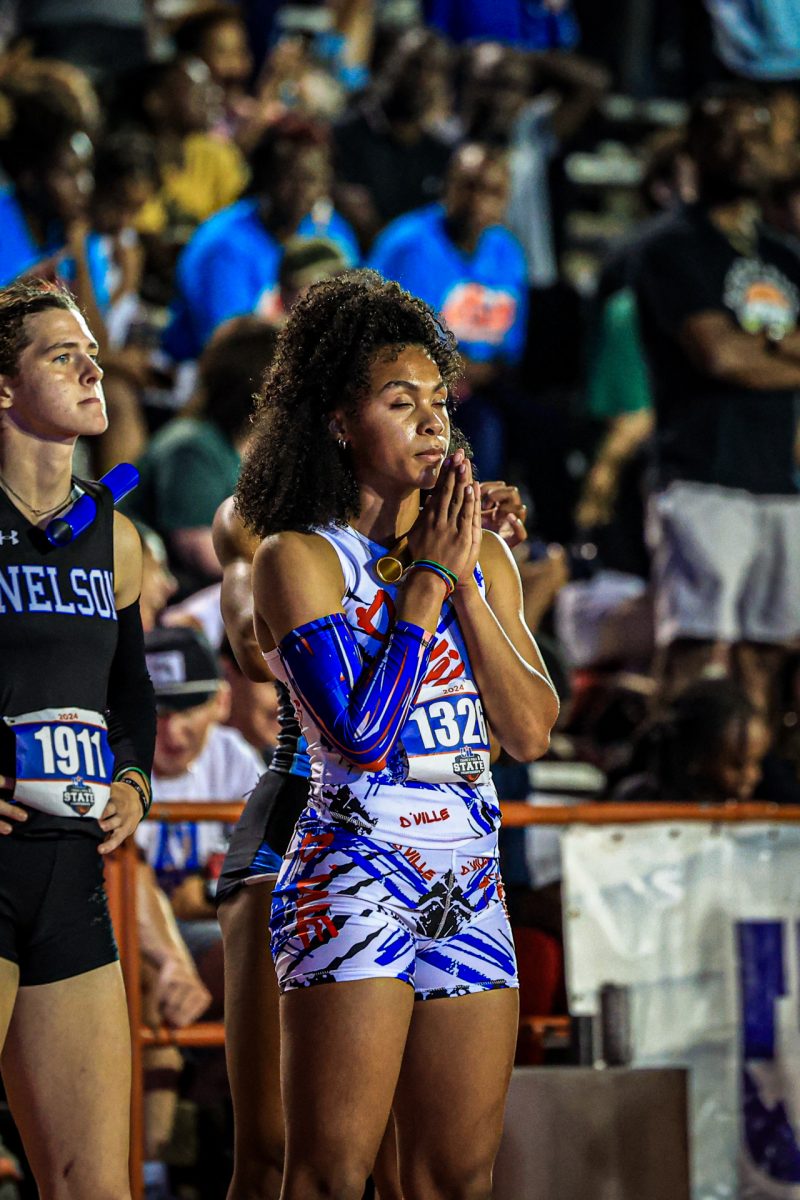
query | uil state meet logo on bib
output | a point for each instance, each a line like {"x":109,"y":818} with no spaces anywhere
{"x":79,"y":796}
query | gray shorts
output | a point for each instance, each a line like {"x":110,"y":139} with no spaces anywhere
{"x":726,"y":564}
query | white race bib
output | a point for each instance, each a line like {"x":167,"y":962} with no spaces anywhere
{"x":446,"y":741}
{"x":63,"y":761}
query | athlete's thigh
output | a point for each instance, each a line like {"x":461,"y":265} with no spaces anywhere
{"x":450,"y":1097}
{"x":9,"y":982}
{"x":385,"y":1174}
{"x":67,"y":1069}
{"x":341,"y":1049}
{"x":252,"y":1023}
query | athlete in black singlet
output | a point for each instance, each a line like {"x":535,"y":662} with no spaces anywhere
{"x":76,"y":742}
{"x":252,"y":1040}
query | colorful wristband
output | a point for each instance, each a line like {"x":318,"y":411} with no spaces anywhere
{"x":431,"y":562}
{"x":435,"y":569}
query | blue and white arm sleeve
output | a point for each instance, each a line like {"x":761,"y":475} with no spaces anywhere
{"x":359,"y":709}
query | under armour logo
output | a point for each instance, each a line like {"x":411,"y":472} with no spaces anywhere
{"x":11,"y":536}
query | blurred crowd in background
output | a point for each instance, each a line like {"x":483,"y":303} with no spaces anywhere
{"x":603,"y":201}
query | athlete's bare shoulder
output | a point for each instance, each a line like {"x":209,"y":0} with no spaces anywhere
{"x":232,"y":539}
{"x":494,"y":557}
{"x":127,"y":561}
{"x":297,"y":578}
{"x":293,"y":550}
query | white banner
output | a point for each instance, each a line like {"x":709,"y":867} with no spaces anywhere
{"x":702,"y":923}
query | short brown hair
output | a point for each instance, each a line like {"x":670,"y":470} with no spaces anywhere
{"x":19,"y":300}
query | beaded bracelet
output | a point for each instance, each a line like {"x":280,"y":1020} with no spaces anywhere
{"x":431,"y":562}
{"x":435,"y":569}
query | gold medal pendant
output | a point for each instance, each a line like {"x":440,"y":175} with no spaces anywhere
{"x":389,"y":569}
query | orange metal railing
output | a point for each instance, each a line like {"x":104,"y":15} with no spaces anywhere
{"x":120,"y":871}
{"x":518,"y":812}
{"x":121,"y":886}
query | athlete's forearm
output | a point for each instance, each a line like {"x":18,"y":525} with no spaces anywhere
{"x":131,"y":701}
{"x":361,"y":708}
{"x":420,"y":599}
{"x":519,"y":700}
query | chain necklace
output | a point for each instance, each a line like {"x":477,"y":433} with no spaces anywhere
{"x":37,"y":512}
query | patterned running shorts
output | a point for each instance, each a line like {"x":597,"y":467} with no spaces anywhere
{"x":348,"y":907}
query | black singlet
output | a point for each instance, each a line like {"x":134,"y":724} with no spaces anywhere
{"x":265,"y":828}
{"x":58,"y":630}
{"x":289,"y":756}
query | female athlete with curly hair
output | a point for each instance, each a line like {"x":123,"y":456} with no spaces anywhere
{"x":389,"y":933}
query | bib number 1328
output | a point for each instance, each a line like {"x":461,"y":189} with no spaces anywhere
{"x":447,"y":724}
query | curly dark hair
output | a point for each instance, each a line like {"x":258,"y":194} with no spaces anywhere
{"x":294,"y":475}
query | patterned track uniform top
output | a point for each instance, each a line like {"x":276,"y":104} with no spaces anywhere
{"x":435,"y":788}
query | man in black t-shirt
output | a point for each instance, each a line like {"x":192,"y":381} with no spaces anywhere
{"x":718,"y":300}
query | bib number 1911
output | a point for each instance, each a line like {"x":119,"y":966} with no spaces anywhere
{"x":66,"y":752}
{"x":63,"y":761}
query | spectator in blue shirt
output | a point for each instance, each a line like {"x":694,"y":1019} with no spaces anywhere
{"x":232,"y":264}
{"x":460,"y":259}
{"x":533,"y":105}
{"x":46,"y":155}
{"x":48,"y":160}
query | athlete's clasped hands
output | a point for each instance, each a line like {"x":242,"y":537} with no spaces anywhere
{"x":448,"y":528}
